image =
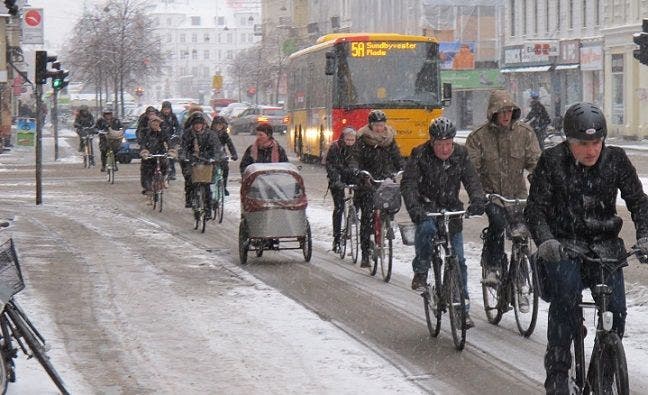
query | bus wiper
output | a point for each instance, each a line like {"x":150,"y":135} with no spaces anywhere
{"x":409,"y":101}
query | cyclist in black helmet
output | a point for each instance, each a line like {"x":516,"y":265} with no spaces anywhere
{"x":431,"y":181}
{"x":219,"y":128}
{"x":376,"y":152}
{"x":572,"y":200}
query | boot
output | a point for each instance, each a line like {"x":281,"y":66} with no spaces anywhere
{"x":419,"y":281}
{"x":365,"y":261}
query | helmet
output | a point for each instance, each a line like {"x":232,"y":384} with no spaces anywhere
{"x":584,"y":121}
{"x":166,"y":104}
{"x":196,"y":117}
{"x":441,"y":129}
{"x":220,"y":119}
{"x":377,"y":116}
{"x":534,"y":95}
{"x":107,"y":110}
{"x":265,"y":128}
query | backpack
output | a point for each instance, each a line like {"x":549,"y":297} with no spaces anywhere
{"x":387,"y":197}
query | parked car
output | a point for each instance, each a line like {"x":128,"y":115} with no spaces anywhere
{"x":129,"y":149}
{"x":247,"y":121}
{"x":233,"y":110}
{"x":182,"y":117}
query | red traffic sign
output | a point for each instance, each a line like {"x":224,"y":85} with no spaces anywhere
{"x":33,"y":17}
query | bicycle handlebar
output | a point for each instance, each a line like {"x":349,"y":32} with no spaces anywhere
{"x":151,"y":156}
{"x":373,"y":180}
{"x":611,"y":263}
{"x":493,"y":196}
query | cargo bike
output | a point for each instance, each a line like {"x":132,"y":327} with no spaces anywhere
{"x":273,"y":211}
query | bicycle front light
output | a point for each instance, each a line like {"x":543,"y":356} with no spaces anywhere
{"x":608,"y":319}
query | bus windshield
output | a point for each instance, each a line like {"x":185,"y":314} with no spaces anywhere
{"x":387,"y":74}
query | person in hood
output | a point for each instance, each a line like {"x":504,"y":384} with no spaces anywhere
{"x":339,"y":175}
{"x":265,"y":149}
{"x":501,"y":150}
{"x":154,"y":141}
{"x":572,"y":202}
{"x":143,"y":120}
{"x":171,"y":126}
{"x":84,"y":119}
{"x":219,"y":128}
{"x":538,"y":118}
{"x":431,"y":181}
{"x":377,"y":153}
{"x":105,"y":123}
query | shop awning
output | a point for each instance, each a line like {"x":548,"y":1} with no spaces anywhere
{"x":529,"y":69}
{"x":567,"y":66}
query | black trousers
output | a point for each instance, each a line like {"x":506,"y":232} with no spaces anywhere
{"x":364,"y":201}
{"x":338,"y":211}
{"x":147,"y":169}
{"x":186,"y":173}
{"x":494,"y":242}
{"x":225,"y":168}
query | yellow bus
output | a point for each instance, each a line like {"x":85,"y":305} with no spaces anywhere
{"x":336,"y":82}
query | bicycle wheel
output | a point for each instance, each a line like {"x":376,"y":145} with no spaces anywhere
{"x":198,"y":210}
{"x":111,"y":175}
{"x":307,"y":244}
{"x":386,"y":263}
{"x":86,"y":155}
{"x":220,"y":207}
{"x":344,"y":236}
{"x":354,"y":233}
{"x":611,"y":367}
{"x":160,"y":198}
{"x":377,"y":247}
{"x":577,"y":367}
{"x":432,"y":300}
{"x":492,"y":295}
{"x":110,"y":166}
{"x":244,"y":242}
{"x":456,"y":302}
{"x":525,"y":292}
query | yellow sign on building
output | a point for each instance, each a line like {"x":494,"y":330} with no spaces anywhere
{"x":217,"y":82}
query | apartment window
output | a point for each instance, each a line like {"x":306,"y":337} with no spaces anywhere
{"x":206,"y":54}
{"x":558,"y":15}
{"x":206,"y":37}
{"x":184,"y":54}
{"x":512,"y":8}
{"x":220,"y":38}
{"x":535,"y":16}
{"x":194,"y":37}
{"x":230,"y":37}
{"x":584,"y":13}
{"x":182,"y":37}
{"x":194,"y":54}
{"x":547,"y":16}
{"x":571,"y":14}
{"x":221,"y":20}
{"x":524,"y":16}
{"x":617,"y":89}
{"x":195,"y":21}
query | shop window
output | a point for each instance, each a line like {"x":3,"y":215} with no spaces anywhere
{"x":617,"y":89}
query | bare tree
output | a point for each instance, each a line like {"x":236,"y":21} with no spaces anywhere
{"x":115,"y":45}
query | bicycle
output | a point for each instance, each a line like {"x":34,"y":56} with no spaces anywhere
{"x":86,"y":134}
{"x":350,"y":225}
{"x":201,"y":177}
{"x":17,"y":332}
{"x":518,"y":276}
{"x":382,"y":217}
{"x":158,"y":182}
{"x":217,"y":187}
{"x":608,"y":355}
{"x":111,"y":163}
{"x":447,"y":290}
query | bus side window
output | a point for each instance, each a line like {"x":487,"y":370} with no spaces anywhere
{"x":330,"y":63}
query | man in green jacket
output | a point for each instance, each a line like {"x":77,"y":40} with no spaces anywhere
{"x":501,"y":149}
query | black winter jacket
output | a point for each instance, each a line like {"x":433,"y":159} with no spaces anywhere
{"x":568,"y":201}
{"x":84,"y":120}
{"x":381,"y":162}
{"x":170,"y":124}
{"x":430,"y":184}
{"x":264,"y":156}
{"x":154,"y":142}
{"x":103,"y":125}
{"x":226,"y":141}
{"x":209,"y":146}
{"x":338,"y":159}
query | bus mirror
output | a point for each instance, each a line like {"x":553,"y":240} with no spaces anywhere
{"x":330,"y":63}
{"x":447,"y":94}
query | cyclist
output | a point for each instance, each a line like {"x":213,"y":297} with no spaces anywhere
{"x":265,"y":149}
{"x":339,"y":175}
{"x":154,"y":140}
{"x":83,"y":120}
{"x":376,"y":152}
{"x":107,"y":121}
{"x":172,"y":127}
{"x":219,"y":126}
{"x":194,"y":123}
{"x":501,"y":149}
{"x":431,"y":181}
{"x":199,"y":145}
{"x":573,"y":200}
{"x":538,"y":118}
{"x":143,"y":120}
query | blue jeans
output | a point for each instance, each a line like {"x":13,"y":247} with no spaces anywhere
{"x":567,"y":279}
{"x":425,"y":232}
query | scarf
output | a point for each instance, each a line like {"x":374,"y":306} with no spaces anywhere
{"x":374,"y":139}
{"x":274,"y":156}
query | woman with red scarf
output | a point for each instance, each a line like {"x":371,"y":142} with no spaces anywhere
{"x":264,"y":150}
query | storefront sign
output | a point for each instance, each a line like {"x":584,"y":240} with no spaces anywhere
{"x":569,"y":51}
{"x":591,"y":58}
{"x":473,"y":79}
{"x":512,"y":55}
{"x":539,"y":51}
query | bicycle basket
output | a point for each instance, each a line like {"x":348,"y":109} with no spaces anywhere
{"x":11,"y":281}
{"x":115,"y":134}
{"x":388,"y":197}
{"x":201,"y":173}
{"x":408,"y":232}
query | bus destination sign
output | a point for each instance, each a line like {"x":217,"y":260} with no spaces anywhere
{"x":378,"y":48}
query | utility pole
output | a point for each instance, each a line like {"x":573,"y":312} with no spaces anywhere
{"x":38,"y":145}
{"x":54,"y":116}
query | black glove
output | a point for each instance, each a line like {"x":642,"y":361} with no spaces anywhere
{"x":477,"y":207}
{"x":642,"y":245}
{"x":234,"y":157}
{"x":551,"y":251}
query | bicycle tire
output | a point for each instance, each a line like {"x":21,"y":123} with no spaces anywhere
{"x":243,"y":243}
{"x":160,"y":199}
{"x":610,"y":358}
{"x":111,"y":176}
{"x":307,"y":244}
{"x":456,"y":303}
{"x":523,"y":273}
{"x":387,"y":256}
{"x":577,"y":366}
{"x":7,"y":354}
{"x":221,"y":202}
{"x":377,"y":241}
{"x":110,"y":166}
{"x":354,"y":234}
{"x":5,"y":373}
{"x":196,"y":206}
{"x":491,"y":295}
{"x":344,"y":237}
{"x":86,"y":156}
{"x":434,"y":309}
{"x":37,"y":349}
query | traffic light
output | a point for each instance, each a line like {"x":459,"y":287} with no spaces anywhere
{"x":42,"y":73}
{"x":641,"y":39}
{"x":11,"y":6}
{"x":58,"y":77}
